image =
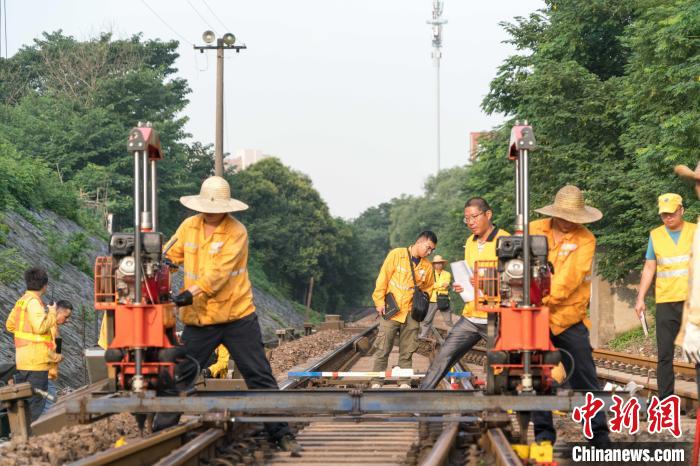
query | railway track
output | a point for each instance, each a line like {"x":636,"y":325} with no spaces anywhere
{"x":622,"y":368}
{"x":381,"y":441}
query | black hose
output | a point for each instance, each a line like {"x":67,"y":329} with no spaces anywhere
{"x":573,"y":367}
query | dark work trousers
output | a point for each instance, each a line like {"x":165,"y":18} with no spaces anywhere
{"x":462,"y":337}
{"x":668,"y":323}
{"x":37,"y":379}
{"x":243,"y":340}
{"x":575,"y":340}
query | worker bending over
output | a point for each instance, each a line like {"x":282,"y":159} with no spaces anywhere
{"x":403,"y":269}
{"x":471,"y":327}
{"x":667,"y":257}
{"x":216,"y":305}
{"x":64,"y":309}
{"x":571,"y":250}
{"x":31,"y":324}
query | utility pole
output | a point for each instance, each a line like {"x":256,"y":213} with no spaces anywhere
{"x":226,"y":42}
{"x":436,"y":22}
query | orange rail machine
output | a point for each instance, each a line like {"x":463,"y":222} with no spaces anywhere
{"x":132,"y":284}
{"x":520,"y":353}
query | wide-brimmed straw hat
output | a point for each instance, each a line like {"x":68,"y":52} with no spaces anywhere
{"x":685,"y":172}
{"x":569,"y":205}
{"x":214,"y":198}
{"x":438,"y":259}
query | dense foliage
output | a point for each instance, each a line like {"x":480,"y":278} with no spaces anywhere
{"x":612,"y":90}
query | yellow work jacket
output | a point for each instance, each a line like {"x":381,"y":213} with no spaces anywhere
{"x":53,"y":366}
{"x":395,"y":278}
{"x":442,"y":284}
{"x":572,"y":259}
{"x":672,"y":263}
{"x":102,"y":340}
{"x":31,"y":326}
{"x":220,"y":368}
{"x":217,"y":264}
{"x":472,"y":254}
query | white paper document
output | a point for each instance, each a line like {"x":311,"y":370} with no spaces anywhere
{"x":463,"y":276}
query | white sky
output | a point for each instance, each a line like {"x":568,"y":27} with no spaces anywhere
{"x":343,"y":90}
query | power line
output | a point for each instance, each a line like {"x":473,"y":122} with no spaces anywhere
{"x":166,"y":24}
{"x":215,"y":16}
{"x":200,"y":15}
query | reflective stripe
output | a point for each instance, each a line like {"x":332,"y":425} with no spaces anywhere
{"x":672,"y":273}
{"x":402,"y":269}
{"x":194,"y":276}
{"x":587,"y":278}
{"x":24,"y":336}
{"x":672,"y":260}
{"x":400,"y":287}
{"x":189,"y":244}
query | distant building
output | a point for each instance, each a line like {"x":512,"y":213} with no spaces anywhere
{"x":243,"y":159}
{"x":474,"y":145}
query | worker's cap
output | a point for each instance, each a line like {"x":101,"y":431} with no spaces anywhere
{"x":438,"y":259}
{"x":669,"y":203}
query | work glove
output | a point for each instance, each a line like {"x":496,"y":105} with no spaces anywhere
{"x":691,"y":342}
{"x":183,"y":299}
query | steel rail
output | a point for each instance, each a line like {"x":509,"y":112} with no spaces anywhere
{"x":498,"y":444}
{"x":441,"y":449}
{"x":142,"y":451}
{"x":313,"y":402}
{"x":332,"y":360}
{"x":679,"y":367}
{"x":192,"y":449}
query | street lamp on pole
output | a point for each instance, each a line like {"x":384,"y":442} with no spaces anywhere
{"x":228,"y":41}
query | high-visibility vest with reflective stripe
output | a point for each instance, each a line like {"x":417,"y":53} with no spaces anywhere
{"x":23,"y":329}
{"x":672,"y":263}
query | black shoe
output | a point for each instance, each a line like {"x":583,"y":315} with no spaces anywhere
{"x":289,"y":443}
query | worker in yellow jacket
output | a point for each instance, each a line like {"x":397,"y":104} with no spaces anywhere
{"x":31,"y":325}
{"x":439,"y":298}
{"x":668,"y":257}
{"x":64,"y":309}
{"x":571,"y":251}
{"x":471,"y":326}
{"x":403,"y":269}
{"x":216,"y":305}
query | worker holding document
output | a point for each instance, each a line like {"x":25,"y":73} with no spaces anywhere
{"x":471,"y":327}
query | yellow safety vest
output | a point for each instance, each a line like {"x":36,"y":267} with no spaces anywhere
{"x":442,"y":285}
{"x":672,"y":263}
{"x":472,"y":255}
{"x":24,"y":335}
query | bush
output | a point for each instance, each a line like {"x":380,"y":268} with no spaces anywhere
{"x":12,"y":266}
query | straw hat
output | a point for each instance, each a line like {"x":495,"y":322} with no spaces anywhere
{"x":213,"y":198}
{"x":569,"y":205}
{"x":438,"y":259}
